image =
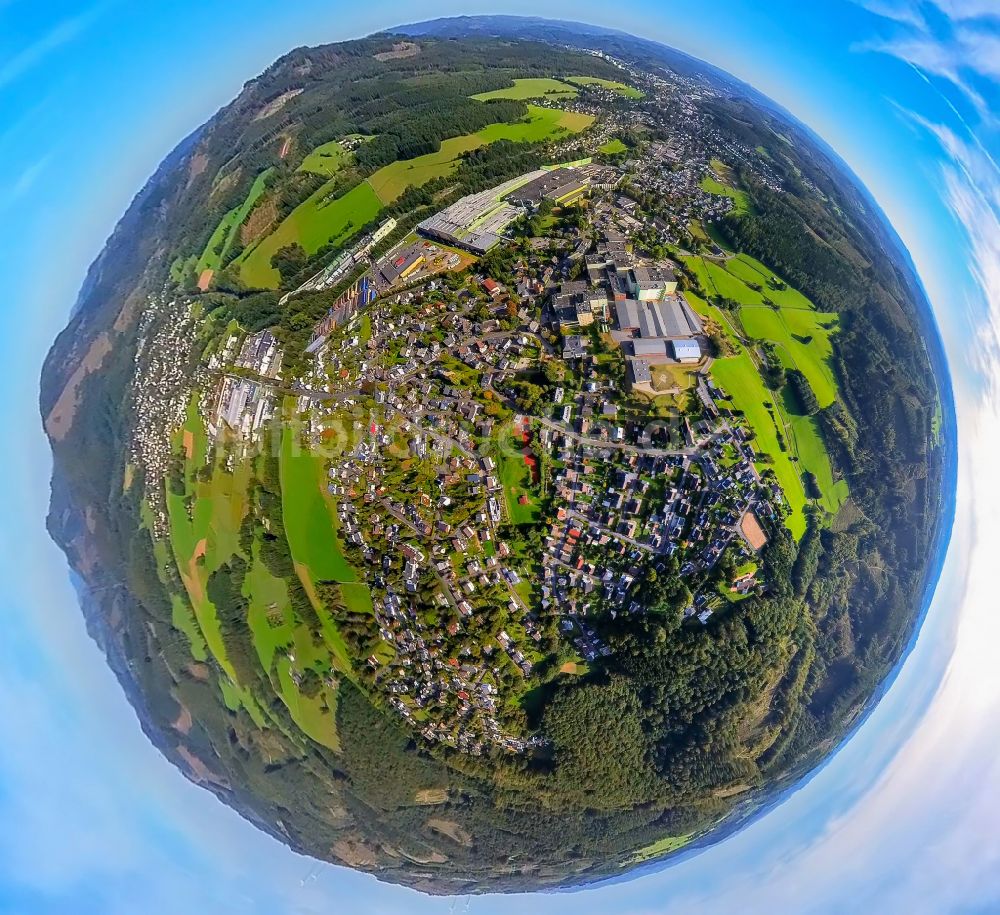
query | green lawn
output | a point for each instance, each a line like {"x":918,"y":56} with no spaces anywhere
{"x":540,"y":87}
{"x":613,"y":147}
{"x":327,"y":160}
{"x":357,"y":597}
{"x":614,"y":85}
{"x":516,"y":479}
{"x":312,"y":224}
{"x":226,"y":232}
{"x":309,"y":514}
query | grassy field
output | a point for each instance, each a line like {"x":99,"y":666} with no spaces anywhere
{"x":800,"y":332}
{"x":661,"y":847}
{"x":310,"y":519}
{"x":615,"y":86}
{"x":774,"y":422}
{"x":315,"y":717}
{"x":516,"y":479}
{"x":268,"y":614}
{"x":312,"y":224}
{"x":540,"y":87}
{"x":741,"y":202}
{"x":613,"y":147}
{"x":738,"y":377}
{"x":204,"y":529}
{"x":225,"y":233}
{"x":327,"y":160}
{"x":390,"y":182}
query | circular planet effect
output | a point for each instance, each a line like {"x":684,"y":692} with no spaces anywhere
{"x":272,"y":672}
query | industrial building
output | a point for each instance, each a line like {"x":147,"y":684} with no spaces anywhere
{"x":670,"y":318}
{"x":651,"y":284}
{"x":686,"y":350}
{"x":475,"y":222}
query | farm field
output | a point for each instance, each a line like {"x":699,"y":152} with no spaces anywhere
{"x":312,"y":224}
{"x":536,"y":87}
{"x":225,"y":233}
{"x":614,"y":85}
{"x":327,"y":160}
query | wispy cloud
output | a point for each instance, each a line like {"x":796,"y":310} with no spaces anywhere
{"x":23,"y":182}
{"x":958,"y":43}
{"x":41,"y":48}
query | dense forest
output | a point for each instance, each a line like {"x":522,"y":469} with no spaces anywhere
{"x":637,"y":752}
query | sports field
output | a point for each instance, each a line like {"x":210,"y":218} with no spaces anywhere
{"x":312,"y":224}
{"x":614,"y":85}
{"x":327,"y":160}
{"x":225,"y":233}
{"x":515,"y":475}
{"x":540,"y":87}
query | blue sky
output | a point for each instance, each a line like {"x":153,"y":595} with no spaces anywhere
{"x":93,"y":820}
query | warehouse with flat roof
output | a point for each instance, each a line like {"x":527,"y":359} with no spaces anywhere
{"x":671,"y":317}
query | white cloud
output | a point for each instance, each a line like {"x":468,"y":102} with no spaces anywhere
{"x":35,"y":53}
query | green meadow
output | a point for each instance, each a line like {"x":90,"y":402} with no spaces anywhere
{"x":226,"y":232}
{"x":793,"y":443}
{"x":309,"y":514}
{"x":613,"y":85}
{"x":613,"y":147}
{"x":800,"y":332}
{"x":326,"y":160}
{"x":319,"y":221}
{"x":313,"y":224}
{"x":533,"y":87}
{"x":390,"y":181}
